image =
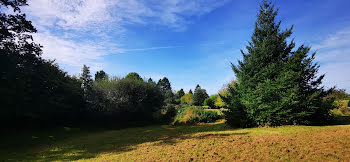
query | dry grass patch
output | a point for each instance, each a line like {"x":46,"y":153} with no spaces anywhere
{"x":203,"y":142}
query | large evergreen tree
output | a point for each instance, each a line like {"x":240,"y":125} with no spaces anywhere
{"x":277,"y":84}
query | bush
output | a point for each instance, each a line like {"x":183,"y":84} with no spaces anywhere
{"x":166,"y":114}
{"x":342,"y":108}
{"x":193,"y":114}
{"x":129,"y":99}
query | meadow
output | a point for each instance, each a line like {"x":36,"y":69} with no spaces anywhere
{"x":197,"y":142}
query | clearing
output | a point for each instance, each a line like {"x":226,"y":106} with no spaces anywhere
{"x":203,"y":142}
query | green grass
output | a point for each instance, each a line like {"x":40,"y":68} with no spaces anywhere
{"x":211,"y":141}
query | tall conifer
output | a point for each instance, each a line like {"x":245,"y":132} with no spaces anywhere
{"x":277,"y":83}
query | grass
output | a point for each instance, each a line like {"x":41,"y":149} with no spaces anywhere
{"x":202,"y":142}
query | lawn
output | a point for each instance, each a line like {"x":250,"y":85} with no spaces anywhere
{"x":211,"y":142}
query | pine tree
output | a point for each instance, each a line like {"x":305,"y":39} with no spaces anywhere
{"x":276,"y":85}
{"x":86,"y":83}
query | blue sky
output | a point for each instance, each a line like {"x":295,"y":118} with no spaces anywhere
{"x":190,"y":42}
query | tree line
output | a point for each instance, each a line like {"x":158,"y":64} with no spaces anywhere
{"x":277,"y":83}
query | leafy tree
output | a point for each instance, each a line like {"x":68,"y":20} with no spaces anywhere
{"x":276,"y":85}
{"x":219,"y":103}
{"x":127,"y":99}
{"x":178,"y":96}
{"x":199,"y":96}
{"x":190,"y":91}
{"x":32,"y":89}
{"x":133,"y":76}
{"x":211,"y":101}
{"x":100,"y":75}
{"x":187,"y":99}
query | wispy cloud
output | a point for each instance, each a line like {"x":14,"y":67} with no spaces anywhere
{"x":334,"y":55}
{"x":149,"y":48}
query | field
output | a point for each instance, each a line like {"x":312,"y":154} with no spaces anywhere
{"x":202,"y":142}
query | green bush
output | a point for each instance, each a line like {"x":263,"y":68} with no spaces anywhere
{"x":130,"y":99}
{"x":193,"y":114}
{"x":342,"y":108}
{"x":166,"y":114}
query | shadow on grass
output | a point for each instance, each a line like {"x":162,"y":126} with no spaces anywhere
{"x":75,"y":144}
{"x":341,"y":120}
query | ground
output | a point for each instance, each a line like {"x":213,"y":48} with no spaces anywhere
{"x":203,"y":142}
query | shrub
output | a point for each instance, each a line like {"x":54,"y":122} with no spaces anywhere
{"x":342,"y":108}
{"x":166,"y":114}
{"x":187,"y":99}
{"x":193,"y":114}
{"x":127,"y":98}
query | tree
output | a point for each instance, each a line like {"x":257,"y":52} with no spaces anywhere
{"x":178,"y":96}
{"x":100,"y":75}
{"x":187,"y":99}
{"x":190,"y":91}
{"x":164,"y":84}
{"x":276,"y":85}
{"x":32,"y":89}
{"x":127,"y":99}
{"x":133,"y":76}
{"x":165,"y":87}
{"x":199,"y":96}
{"x":86,"y":82}
{"x":338,"y":94}
{"x":214,"y":101}
{"x":150,"y":80}
{"x":180,"y":93}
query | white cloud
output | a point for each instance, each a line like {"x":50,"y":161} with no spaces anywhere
{"x":83,"y":31}
{"x":68,"y":14}
{"x":71,"y":53}
{"x":334,"y":55}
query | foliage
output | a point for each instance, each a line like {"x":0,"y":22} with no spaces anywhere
{"x":100,"y":75}
{"x":178,"y":96}
{"x":277,"y":86}
{"x":219,"y":103}
{"x":127,"y":98}
{"x":199,"y":96}
{"x":86,"y":83}
{"x":31,"y":88}
{"x":194,"y":114}
{"x":164,"y":85}
{"x":169,"y":97}
{"x":166,"y":114}
{"x":341,"y":108}
{"x":339,"y":94}
{"x":187,"y":99}
{"x":133,"y":76}
{"x":214,"y":102}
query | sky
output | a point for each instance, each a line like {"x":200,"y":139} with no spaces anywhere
{"x":189,"y":42}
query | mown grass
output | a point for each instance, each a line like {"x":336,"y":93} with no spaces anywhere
{"x":210,"y":142}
